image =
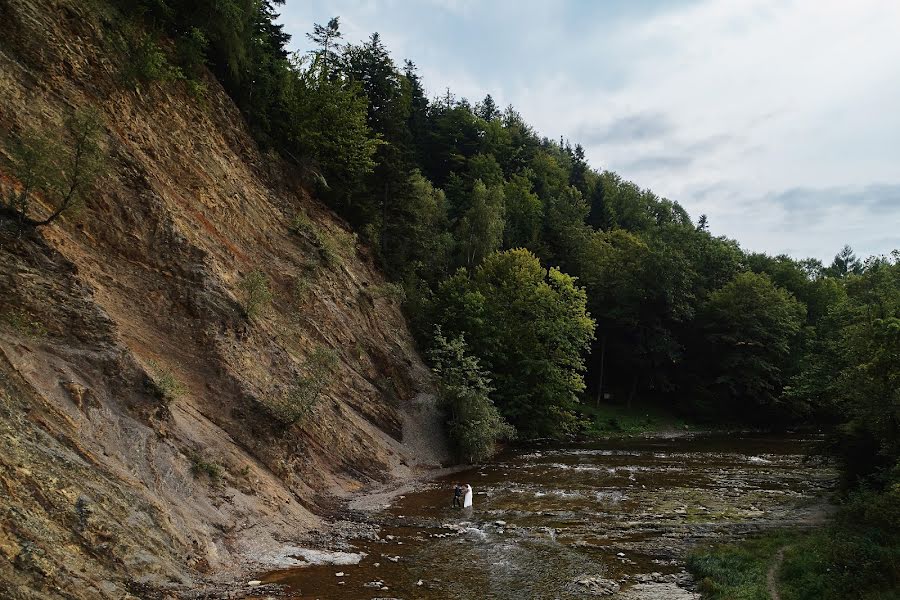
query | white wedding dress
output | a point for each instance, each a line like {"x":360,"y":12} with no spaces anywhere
{"x":467,"y":502}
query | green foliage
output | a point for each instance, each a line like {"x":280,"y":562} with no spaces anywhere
{"x":256,"y":294}
{"x":61,"y":169}
{"x":607,"y":419}
{"x":147,"y":61}
{"x":528,"y":327}
{"x":736,"y":571}
{"x":855,"y":556}
{"x":24,"y":323}
{"x":751,"y":328}
{"x":852,"y":372}
{"x":303,"y":226}
{"x":336,"y":246}
{"x":388,"y":290}
{"x":480,"y":230}
{"x":294,"y":404}
{"x":201,"y":466}
{"x":333,"y":246}
{"x":474,"y":425}
{"x":167,"y":386}
{"x":524,"y":213}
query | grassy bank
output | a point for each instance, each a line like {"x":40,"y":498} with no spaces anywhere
{"x":857,"y":555}
{"x":610,"y":419}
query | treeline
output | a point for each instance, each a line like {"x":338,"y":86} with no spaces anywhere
{"x":539,"y":283}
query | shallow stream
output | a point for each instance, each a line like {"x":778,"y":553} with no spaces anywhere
{"x":610,"y":518}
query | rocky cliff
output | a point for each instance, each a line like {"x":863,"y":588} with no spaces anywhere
{"x":137,"y":445}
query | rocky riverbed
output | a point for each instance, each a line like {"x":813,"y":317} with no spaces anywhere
{"x":613,"y":519}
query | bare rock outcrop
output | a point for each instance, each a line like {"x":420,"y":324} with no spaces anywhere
{"x":110,"y":483}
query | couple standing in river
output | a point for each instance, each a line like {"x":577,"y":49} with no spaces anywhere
{"x":462,"y":495}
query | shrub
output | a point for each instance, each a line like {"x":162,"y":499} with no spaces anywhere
{"x":390,"y":291}
{"x":333,"y":246}
{"x":200,"y":466}
{"x":256,"y":293}
{"x":60,"y":167}
{"x":304,"y":392}
{"x":302,"y":225}
{"x":475,"y":425}
{"x":336,"y":246}
{"x":24,"y":323}
{"x":147,"y":61}
{"x":167,"y":386}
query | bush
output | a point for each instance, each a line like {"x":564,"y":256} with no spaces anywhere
{"x":24,"y":323}
{"x":200,"y":466}
{"x":302,"y":225}
{"x":336,"y":247}
{"x":60,"y":167}
{"x":298,"y":401}
{"x":333,"y":246}
{"x":736,"y":571}
{"x":256,"y":293}
{"x":475,"y":425}
{"x":168,"y":387}
{"x":147,"y":61}
{"x":389,"y":290}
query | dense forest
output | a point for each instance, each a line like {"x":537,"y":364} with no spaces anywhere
{"x":540,"y":286}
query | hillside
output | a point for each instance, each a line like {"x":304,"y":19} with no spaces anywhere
{"x":135,"y":442}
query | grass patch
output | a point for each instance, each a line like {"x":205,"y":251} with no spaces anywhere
{"x":202,"y":466}
{"x":333,"y":246}
{"x":608,"y":419}
{"x":168,"y":388}
{"x":855,"y":556}
{"x":737,"y":571}
{"x":389,"y":291}
{"x":24,"y":323}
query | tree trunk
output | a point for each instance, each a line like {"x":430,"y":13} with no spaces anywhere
{"x":602,"y":366}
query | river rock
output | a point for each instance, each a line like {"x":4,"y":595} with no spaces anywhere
{"x":597,"y":586}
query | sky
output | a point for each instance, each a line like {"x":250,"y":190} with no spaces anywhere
{"x":778,"y":119}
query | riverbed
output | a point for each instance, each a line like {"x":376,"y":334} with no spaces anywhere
{"x":612,"y":518}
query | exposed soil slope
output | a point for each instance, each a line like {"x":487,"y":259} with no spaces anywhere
{"x":104,"y":487}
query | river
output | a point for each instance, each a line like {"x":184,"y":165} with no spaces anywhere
{"x":607,"y":518}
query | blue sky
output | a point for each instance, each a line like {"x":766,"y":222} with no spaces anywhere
{"x":779,"y":119}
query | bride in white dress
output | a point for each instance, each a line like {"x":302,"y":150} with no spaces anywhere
{"x":467,"y":502}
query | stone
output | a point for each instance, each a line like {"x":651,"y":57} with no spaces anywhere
{"x":597,"y":586}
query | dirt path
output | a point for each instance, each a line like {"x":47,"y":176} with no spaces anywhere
{"x":772,"y":575}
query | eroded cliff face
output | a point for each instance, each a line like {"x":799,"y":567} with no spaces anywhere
{"x":105,"y":487}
